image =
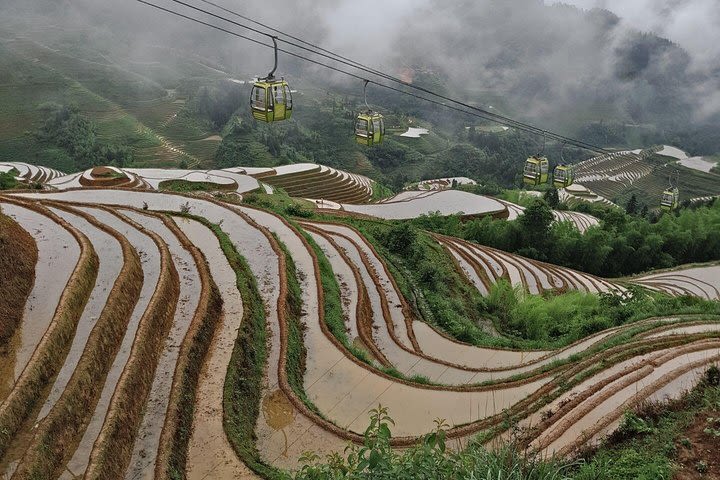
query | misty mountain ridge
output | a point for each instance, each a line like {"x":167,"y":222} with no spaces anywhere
{"x":558,"y":66}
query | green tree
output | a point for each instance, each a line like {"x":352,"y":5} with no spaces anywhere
{"x":632,"y":205}
{"x":552,"y":197}
{"x":7,"y":180}
{"x":535,"y":224}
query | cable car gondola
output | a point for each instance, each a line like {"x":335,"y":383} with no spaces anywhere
{"x":671,"y":196}
{"x":536,"y":171}
{"x":271,"y":99}
{"x":369,"y":125}
{"x":563,"y":176}
{"x":670,"y":199}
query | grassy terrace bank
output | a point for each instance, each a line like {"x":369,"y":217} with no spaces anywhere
{"x":296,"y":351}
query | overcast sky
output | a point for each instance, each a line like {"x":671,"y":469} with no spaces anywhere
{"x":691,"y":23}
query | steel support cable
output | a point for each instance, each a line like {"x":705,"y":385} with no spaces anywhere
{"x":497,"y":118}
{"x":479,"y":113}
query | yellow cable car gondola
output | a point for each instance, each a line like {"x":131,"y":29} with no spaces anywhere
{"x":271,"y":99}
{"x":670,"y":199}
{"x":536,"y":171}
{"x":369,"y":125}
{"x":671,"y":196}
{"x":563,"y":176}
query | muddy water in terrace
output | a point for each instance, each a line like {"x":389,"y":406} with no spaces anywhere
{"x":403,"y":360}
{"x":343,"y":391}
{"x":148,"y":438}
{"x":347,"y":391}
{"x":491,"y":273}
{"x":616,"y":401}
{"x":58,"y":254}
{"x":209,"y":453}
{"x":469,"y":272}
{"x":109,"y":253}
{"x":711,"y":327}
{"x":150,"y":261}
{"x":252,"y":243}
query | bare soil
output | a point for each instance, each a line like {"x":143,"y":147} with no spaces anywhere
{"x":18,"y":256}
{"x":698,"y":450}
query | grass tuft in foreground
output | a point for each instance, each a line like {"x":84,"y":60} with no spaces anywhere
{"x":431,"y":458}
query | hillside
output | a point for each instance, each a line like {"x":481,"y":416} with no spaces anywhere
{"x":343,"y":322}
{"x":361,"y":264}
{"x":646,"y":175}
{"x":170,"y":106}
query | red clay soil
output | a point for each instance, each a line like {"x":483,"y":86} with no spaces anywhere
{"x":18,"y":256}
{"x":704,"y":447}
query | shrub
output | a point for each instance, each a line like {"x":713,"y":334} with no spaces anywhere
{"x":429,"y":459}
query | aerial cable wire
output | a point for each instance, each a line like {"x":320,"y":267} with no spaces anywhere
{"x":275,"y":30}
{"x":497,"y":118}
{"x":477,"y":112}
{"x":487,"y":115}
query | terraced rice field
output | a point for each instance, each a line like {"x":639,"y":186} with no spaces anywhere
{"x":484,"y":266}
{"x":646,"y":173}
{"x":412,"y":204}
{"x":27,"y":173}
{"x":442,"y":183}
{"x":192,"y":336}
{"x":301,"y":180}
{"x":308,"y":180}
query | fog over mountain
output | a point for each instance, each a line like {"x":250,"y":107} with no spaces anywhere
{"x":544,"y":61}
{"x":690,"y":23}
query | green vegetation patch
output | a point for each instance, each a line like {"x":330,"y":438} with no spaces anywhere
{"x":8,"y":181}
{"x":621,"y":245}
{"x":186,"y":186}
{"x":281,"y":203}
{"x":429,"y":459}
{"x":427,"y":278}
{"x":508,"y":317}
{"x":556,"y":320}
